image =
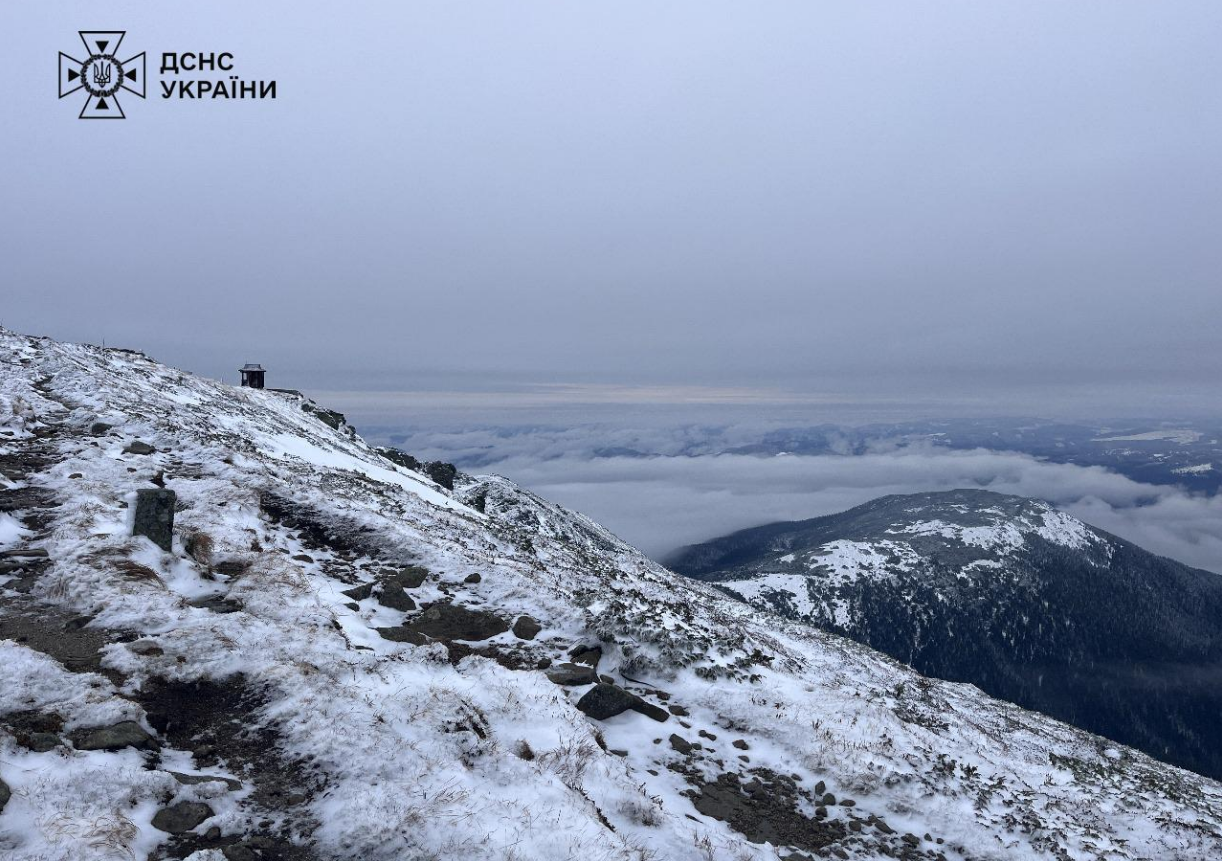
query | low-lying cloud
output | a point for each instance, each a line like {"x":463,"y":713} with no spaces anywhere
{"x":663,"y":502}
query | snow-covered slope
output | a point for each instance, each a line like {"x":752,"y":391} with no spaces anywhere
{"x":1008,"y":593}
{"x":314,"y":671}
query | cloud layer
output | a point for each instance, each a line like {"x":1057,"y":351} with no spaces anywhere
{"x":662,"y":502}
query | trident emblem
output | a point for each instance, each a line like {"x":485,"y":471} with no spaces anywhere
{"x":101,"y":74}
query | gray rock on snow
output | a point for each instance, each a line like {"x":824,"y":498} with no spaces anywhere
{"x":606,"y":701}
{"x":5,"y":795}
{"x":526,"y":628}
{"x":572,"y":674}
{"x":455,"y":622}
{"x":126,"y":733}
{"x":139,"y":447}
{"x":155,"y":516}
{"x":181,"y":817}
{"x":393,"y":596}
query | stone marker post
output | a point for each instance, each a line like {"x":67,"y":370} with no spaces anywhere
{"x":155,"y":516}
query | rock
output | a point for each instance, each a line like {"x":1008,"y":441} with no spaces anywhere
{"x":302,"y":557}
{"x":155,"y":516}
{"x":442,"y":473}
{"x":138,"y":447}
{"x":194,"y":779}
{"x":848,"y":802}
{"x":99,"y":428}
{"x":455,"y":622}
{"x":829,"y":799}
{"x":740,"y":744}
{"x":393,"y":596}
{"x":605,"y":701}
{"x":41,"y":742}
{"x":911,"y":839}
{"x":216,"y":603}
{"x":704,"y":733}
{"x":473,"y":578}
{"x":587,"y":655}
{"x":239,"y":852}
{"x":526,"y":628}
{"x":359,"y":593}
{"x":820,"y":788}
{"x":678,"y":711}
{"x":402,"y":635}
{"x":126,"y":733}
{"x":233,"y":567}
{"x":147,"y":648}
{"x":5,"y":795}
{"x":572,"y":674}
{"x":409,"y":577}
{"x":883,"y":827}
{"x":680,"y":744}
{"x":181,"y":817}
{"x":77,"y":475}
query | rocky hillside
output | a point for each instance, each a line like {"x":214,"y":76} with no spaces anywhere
{"x":1011,"y":595}
{"x":332,"y":656}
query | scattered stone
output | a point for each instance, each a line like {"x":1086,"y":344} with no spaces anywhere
{"x":572,"y":674}
{"x":587,"y":655}
{"x":217,"y":604}
{"x":820,"y":788}
{"x":233,"y":567}
{"x":678,"y":711}
{"x":302,"y":557}
{"x":855,"y":825}
{"x":77,"y":475}
{"x":5,"y":795}
{"x":829,"y":799}
{"x":848,"y":802}
{"x":472,"y":578}
{"x":454,"y":622}
{"x":359,"y":593}
{"x":181,"y":817}
{"x":605,"y":701}
{"x":194,"y":779}
{"x":393,"y":596}
{"x":402,"y":635}
{"x":911,"y":839}
{"x":139,"y":447}
{"x":706,"y":734}
{"x":126,"y":733}
{"x":155,"y":516}
{"x":526,"y":628}
{"x":99,"y":428}
{"x":883,"y":827}
{"x":615,"y":751}
{"x":821,"y":812}
{"x":352,"y":605}
{"x":409,"y":577}
{"x":680,"y":744}
{"x":41,"y":742}
{"x":740,"y":744}
{"x":239,"y":852}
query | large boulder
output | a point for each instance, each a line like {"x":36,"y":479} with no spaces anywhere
{"x":154,"y":517}
{"x":126,"y":733}
{"x":455,"y":622}
{"x":181,"y":817}
{"x":605,"y":700}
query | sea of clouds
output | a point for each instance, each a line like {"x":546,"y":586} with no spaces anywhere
{"x":686,"y":489}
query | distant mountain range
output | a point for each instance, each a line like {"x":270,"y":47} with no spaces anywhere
{"x":1009,"y":594}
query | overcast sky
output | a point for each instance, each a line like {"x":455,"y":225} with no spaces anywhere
{"x":904,"y":197}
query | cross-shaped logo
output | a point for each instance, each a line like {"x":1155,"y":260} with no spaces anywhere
{"x":101,"y":75}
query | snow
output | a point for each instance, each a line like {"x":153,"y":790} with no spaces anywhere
{"x":1181,"y":436}
{"x":422,"y":756}
{"x":1199,"y":469}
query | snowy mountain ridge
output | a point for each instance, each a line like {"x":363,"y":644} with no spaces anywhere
{"x":340,"y":658}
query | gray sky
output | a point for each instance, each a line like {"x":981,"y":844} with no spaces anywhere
{"x":942,"y":198}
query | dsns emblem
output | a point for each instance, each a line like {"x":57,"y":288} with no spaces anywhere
{"x":101,"y":75}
